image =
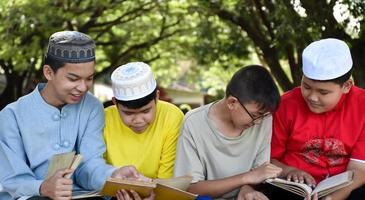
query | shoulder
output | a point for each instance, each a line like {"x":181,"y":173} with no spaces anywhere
{"x":357,"y":93}
{"x":197,"y":115}
{"x":110,"y":109}
{"x":169,"y":110}
{"x":292,"y":95}
{"x":23,"y":103}
{"x":92,"y":100}
{"x":168,"y":106}
{"x":292,"y":99}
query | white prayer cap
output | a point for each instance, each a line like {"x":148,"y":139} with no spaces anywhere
{"x":133,"y":81}
{"x":326,"y":59}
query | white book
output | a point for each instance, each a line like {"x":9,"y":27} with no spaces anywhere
{"x":323,"y":188}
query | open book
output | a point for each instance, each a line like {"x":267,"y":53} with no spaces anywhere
{"x":172,"y":188}
{"x":64,"y":160}
{"x":323,"y":188}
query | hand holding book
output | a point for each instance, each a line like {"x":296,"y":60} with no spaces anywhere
{"x":261,"y":173}
{"x":300,"y":176}
{"x":57,"y":182}
{"x":323,"y":188}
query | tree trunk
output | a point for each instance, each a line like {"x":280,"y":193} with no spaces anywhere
{"x":358,"y":55}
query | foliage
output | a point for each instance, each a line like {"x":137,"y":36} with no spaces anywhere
{"x":124,"y":30}
{"x":192,"y":42}
{"x":278,"y":30}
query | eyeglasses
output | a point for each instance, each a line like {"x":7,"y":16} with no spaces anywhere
{"x":254,"y":119}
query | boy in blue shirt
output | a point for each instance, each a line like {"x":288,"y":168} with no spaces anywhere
{"x":58,"y":116}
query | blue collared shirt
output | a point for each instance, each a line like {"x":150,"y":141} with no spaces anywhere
{"x":32,"y":131}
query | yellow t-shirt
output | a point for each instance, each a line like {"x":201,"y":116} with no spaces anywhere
{"x":151,"y":152}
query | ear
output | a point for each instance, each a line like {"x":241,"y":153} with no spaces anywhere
{"x":230,"y":101}
{"x":347,"y":86}
{"x":48,"y":72}
{"x":157,"y":95}
{"x":114,"y":100}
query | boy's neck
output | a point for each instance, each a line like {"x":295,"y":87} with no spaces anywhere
{"x":219,"y":113}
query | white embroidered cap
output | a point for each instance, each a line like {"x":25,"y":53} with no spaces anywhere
{"x":133,"y":81}
{"x":326,"y":59}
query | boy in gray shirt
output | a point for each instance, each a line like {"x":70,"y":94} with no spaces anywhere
{"x":225,"y":145}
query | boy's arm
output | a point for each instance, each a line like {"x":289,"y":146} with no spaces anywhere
{"x":15,"y":175}
{"x":280,"y":133}
{"x":219,"y":187}
{"x":169,"y":148}
{"x":358,"y":168}
{"x":93,"y":171}
{"x":188,"y":161}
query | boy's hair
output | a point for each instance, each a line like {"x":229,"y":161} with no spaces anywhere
{"x":55,"y":64}
{"x":340,"y":80}
{"x":254,"y":83}
{"x":138,"y":103}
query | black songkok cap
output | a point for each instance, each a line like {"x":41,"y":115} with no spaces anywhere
{"x":71,"y":47}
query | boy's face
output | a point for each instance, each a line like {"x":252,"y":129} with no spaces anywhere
{"x":70,"y":83}
{"x":248,"y":114}
{"x":138,"y":119}
{"x":322,"y":96}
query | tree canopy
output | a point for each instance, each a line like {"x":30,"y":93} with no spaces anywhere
{"x":212,"y":38}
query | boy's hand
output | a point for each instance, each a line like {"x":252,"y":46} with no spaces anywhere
{"x":57,"y":187}
{"x":129,"y":172}
{"x":124,"y":195}
{"x":261,"y":173}
{"x":248,"y":193}
{"x":300,"y":176}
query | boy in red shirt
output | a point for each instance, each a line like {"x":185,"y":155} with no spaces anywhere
{"x":319,"y":127}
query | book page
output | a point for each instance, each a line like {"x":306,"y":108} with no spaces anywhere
{"x":60,"y":161}
{"x":297,"y":188}
{"x":181,"y":182}
{"x":75,"y":163}
{"x":84,"y":194}
{"x":164,"y":192}
{"x":337,"y":181}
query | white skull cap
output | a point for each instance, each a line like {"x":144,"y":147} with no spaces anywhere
{"x":133,"y":81}
{"x":326,"y":59}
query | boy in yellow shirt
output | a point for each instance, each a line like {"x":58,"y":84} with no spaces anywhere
{"x":140,"y":129}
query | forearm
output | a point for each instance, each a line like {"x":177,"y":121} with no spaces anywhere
{"x":286,"y":168}
{"x":22,"y":188}
{"x":93,"y":175}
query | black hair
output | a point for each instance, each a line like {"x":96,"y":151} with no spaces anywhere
{"x":55,"y":64}
{"x":254,"y":83}
{"x":339,"y":80}
{"x":138,"y":103}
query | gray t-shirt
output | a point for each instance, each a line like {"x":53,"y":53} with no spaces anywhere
{"x":207,"y":154}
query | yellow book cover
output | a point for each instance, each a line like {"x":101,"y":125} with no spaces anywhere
{"x":172,"y":188}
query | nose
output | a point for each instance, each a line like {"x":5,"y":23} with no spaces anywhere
{"x":312,"y":97}
{"x":82,"y":87}
{"x":137,"y":119}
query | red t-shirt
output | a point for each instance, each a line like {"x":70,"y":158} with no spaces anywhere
{"x":320,"y":144}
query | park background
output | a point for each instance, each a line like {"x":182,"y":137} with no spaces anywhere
{"x":193,"y":46}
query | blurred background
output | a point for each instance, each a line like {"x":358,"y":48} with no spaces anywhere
{"x":193,"y":46}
